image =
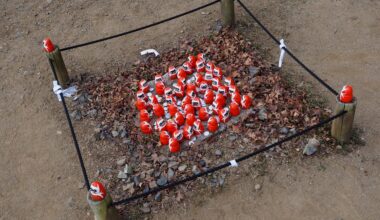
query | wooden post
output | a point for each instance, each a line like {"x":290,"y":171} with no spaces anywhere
{"x":341,"y":128}
{"x":56,"y":57}
{"x":102,"y":209}
{"x":228,"y":13}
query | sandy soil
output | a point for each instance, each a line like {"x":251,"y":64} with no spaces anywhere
{"x":40,"y":175}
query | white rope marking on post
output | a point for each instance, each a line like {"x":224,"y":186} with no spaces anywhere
{"x":282,"y":53}
{"x":234,"y":163}
{"x":148,"y":51}
{"x":57,"y":89}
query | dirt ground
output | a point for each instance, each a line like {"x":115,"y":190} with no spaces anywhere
{"x":40,"y":174}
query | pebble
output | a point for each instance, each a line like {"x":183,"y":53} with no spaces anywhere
{"x":173,"y":164}
{"x":129,"y":186}
{"x":284,"y":130}
{"x":121,"y":161}
{"x":202,"y":163}
{"x":76,"y":114}
{"x":253,"y":71}
{"x":218,"y":153}
{"x":292,"y":131}
{"x":128,"y":169}
{"x":246,"y":140}
{"x":257,"y":187}
{"x":250,"y":125}
{"x":145,"y":209}
{"x":221,"y":180}
{"x":136,"y":180}
{"x":123,"y":133}
{"x":158,"y":197}
{"x":115,"y":133}
{"x":170,"y":173}
{"x":232,"y":137}
{"x":182,"y":168}
{"x":310,"y":149}
{"x":162,"y":181}
{"x":121,"y":175}
{"x":195,"y":170}
{"x":152,"y":184}
{"x":339,"y":147}
{"x":263,"y":114}
{"x":92,"y":113}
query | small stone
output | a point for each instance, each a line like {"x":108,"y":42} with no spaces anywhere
{"x":122,"y":175}
{"x":173,"y":164}
{"x":250,"y":125}
{"x":314,"y":142}
{"x":145,"y":209}
{"x":284,"y":130}
{"x":128,"y":169}
{"x":309,"y":149}
{"x":202,"y":163}
{"x":182,"y":168}
{"x":257,"y":187}
{"x":162,"y":181}
{"x":253,"y":71}
{"x":263,"y":114}
{"x":136,"y":180}
{"x":121,"y":161}
{"x":292,"y":131}
{"x":76,"y":115}
{"x":158,"y":197}
{"x":339,"y":147}
{"x":221,"y":180}
{"x":115,"y":133}
{"x":246,"y":140}
{"x":218,"y":153}
{"x":152,"y":184}
{"x":92,"y":113}
{"x":232,"y":137}
{"x":129,"y":186}
{"x":195,"y":170}
{"x":170,"y":173}
{"x":123,"y":133}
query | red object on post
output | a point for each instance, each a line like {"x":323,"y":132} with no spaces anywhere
{"x":178,"y":135}
{"x":224,"y":114}
{"x":172,"y":71}
{"x":200,"y":65}
{"x":201,"y":56}
{"x":164,"y":137}
{"x":188,"y":132}
{"x":48,"y":45}
{"x":187,"y":67}
{"x":161,"y":124}
{"x":97,"y":191}
{"x":220,"y":99}
{"x":192,"y":60}
{"x":346,"y":95}
{"x":203,"y":86}
{"x":215,"y":83}
{"x":198,"y":78}
{"x":181,"y":73}
{"x":209,"y":67}
{"x":217,"y":72}
{"x":236,"y":97}
{"x":143,"y":86}
{"x":189,"y":109}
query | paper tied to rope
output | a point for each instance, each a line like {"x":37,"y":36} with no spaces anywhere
{"x":57,"y":89}
{"x":234,"y":163}
{"x":149,"y":51}
{"x":282,"y":53}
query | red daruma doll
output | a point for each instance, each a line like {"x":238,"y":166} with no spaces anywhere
{"x":164,"y":137}
{"x":246,"y":102}
{"x":172,"y":71}
{"x":346,"y":95}
{"x":172,"y":109}
{"x":143,"y":86}
{"x":200,"y":65}
{"x":192,"y":61}
{"x":209,"y":97}
{"x":187,"y":132}
{"x":203,"y":114}
{"x":171,"y":126}
{"x":224,"y":114}
{"x":140,"y":104}
{"x":212,"y":124}
{"x":190,"y":119}
{"x":158,"y":110}
{"x":97,"y":191}
{"x":48,"y":45}
{"x":179,"y":118}
{"x":174,"y":145}
{"x":144,"y":115}
{"x":160,"y":88}
{"x":178,"y":135}
{"x":145,"y":127}
{"x":198,"y":127}
{"x":234,"y":109}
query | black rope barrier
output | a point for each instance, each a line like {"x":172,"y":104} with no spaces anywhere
{"x":287,"y":51}
{"x":227,"y":164}
{"x":140,"y":28}
{"x":73,"y":135}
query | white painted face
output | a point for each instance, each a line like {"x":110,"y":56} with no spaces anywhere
{"x":195,"y":103}
{"x":186,"y":67}
{"x":158,"y":79}
{"x":178,"y":135}
{"x":208,"y":76}
{"x":140,"y":95}
{"x":143,"y":83}
{"x":161,"y":123}
{"x":200,"y":64}
{"x":203,"y":86}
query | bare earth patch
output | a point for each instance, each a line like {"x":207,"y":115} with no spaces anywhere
{"x":129,"y":162}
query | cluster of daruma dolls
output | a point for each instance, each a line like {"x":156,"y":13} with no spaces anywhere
{"x":194,"y":100}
